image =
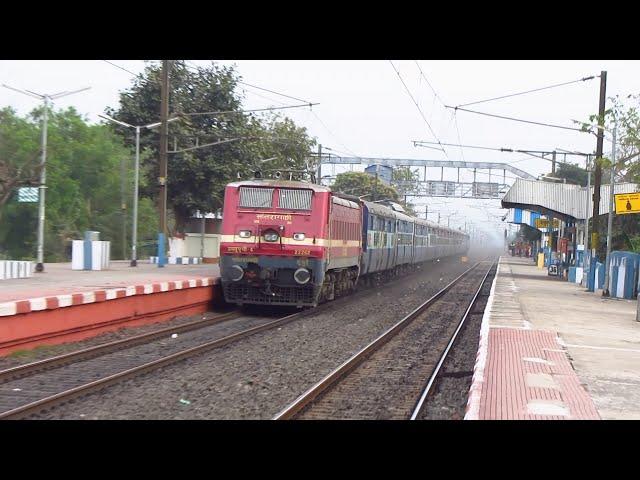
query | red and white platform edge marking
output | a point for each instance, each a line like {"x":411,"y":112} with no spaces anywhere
{"x":71,"y":299}
{"x":475,"y":391}
{"x":524,"y":374}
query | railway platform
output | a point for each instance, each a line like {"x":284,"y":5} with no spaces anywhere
{"x":62,"y":305}
{"x":551,"y":350}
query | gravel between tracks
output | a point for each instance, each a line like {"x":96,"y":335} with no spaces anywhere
{"x":21,"y":357}
{"x":388,"y":383}
{"x":259,"y":375}
{"x":450,"y":392}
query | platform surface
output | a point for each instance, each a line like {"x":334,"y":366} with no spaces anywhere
{"x":59,"y":279}
{"x":551,"y":350}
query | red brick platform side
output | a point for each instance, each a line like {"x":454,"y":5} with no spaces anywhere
{"x":527,"y":376}
{"x":74,"y":317}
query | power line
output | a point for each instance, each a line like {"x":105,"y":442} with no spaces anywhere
{"x":428,"y":82}
{"x":528,"y":91}
{"x":121,"y":68}
{"x":260,"y":88}
{"x":520,"y":120}
{"x":417,"y":106}
{"x":334,"y":135}
{"x":224,"y":112}
{"x":455,"y":118}
{"x":511,"y":150}
{"x":274,"y":92}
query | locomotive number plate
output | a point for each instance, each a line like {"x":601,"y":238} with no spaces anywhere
{"x":303,"y":251}
{"x":245,"y":259}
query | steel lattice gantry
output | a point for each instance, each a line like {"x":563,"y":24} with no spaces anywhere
{"x":441,"y":188}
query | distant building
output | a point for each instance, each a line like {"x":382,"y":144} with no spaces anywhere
{"x":384,"y":172}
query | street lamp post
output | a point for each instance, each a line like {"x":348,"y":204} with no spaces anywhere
{"x":43,"y":164}
{"x":134,"y":233}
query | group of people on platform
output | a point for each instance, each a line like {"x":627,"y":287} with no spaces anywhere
{"x":520,"y":249}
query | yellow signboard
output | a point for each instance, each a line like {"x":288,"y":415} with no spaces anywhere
{"x":544,"y":223}
{"x":627,"y":203}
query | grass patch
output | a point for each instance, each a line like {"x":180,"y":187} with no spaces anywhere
{"x":26,"y":353}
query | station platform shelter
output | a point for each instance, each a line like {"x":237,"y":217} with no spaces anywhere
{"x":551,"y":350}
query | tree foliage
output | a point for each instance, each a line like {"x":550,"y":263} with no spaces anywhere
{"x":19,"y":154}
{"x":84,"y":186}
{"x":196,"y":178}
{"x":624,"y":113}
{"x":362,"y":184}
{"x":573,"y":173}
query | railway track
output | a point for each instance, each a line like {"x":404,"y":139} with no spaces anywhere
{"x":391,"y":377}
{"x":38,"y":386}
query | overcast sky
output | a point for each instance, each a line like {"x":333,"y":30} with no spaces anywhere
{"x":365,"y":110}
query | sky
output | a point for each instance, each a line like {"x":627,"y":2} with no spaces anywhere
{"x":364,"y":109}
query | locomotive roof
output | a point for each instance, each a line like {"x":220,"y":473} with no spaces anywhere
{"x":280,"y":183}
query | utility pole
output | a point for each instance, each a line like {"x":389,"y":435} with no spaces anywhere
{"x":607,"y":279}
{"x":426,"y":212}
{"x":598,"y":167}
{"x":162,"y":179}
{"x":123,"y":207}
{"x":553,"y":162}
{"x":43,"y":164}
{"x":319,"y":181}
{"x":134,"y":232}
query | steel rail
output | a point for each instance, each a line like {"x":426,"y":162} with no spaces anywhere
{"x":98,"y":350}
{"x":434,"y":374}
{"x":99,"y":384}
{"x":333,"y":377}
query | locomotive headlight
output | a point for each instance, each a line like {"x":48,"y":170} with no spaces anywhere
{"x":302,"y":276}
{"x":236,"y":273}
{"x":298,"y":236}
{"x":244,"y":233}
{"x":271,"y":236}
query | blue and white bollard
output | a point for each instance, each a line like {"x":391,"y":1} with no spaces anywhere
{"x":162,"y":259}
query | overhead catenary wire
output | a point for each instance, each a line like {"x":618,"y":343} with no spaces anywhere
{"x":121,"y":68}
{"x":502,"y":149}
{"x":229,"y":112}
{"x":520,"y":120}
{"x":334,"y":135}
{"x":418,"y":107}
{"x":528,"y":91}
{"x":436,"y":96}
{"x":260,"y":88}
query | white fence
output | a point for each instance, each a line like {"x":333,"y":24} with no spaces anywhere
{"x":15,"y":269}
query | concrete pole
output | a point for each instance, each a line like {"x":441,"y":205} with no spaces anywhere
{"x":319,"y":182}
{"x":42,"y":188}
{"x":202,"y":231}
{"x":605,"y":291}
{"x":134,"y":233}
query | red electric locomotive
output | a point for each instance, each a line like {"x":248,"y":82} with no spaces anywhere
{"x":288,"y":243}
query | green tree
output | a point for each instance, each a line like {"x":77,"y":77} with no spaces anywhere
{"x":573,"y":173}
{"x":624,"y":113}
{"x":406,"y":182}
{"x":197,"y":177}
{"x":84,"y":185}
{"x":362,"y":184}
{"x":19,"y":154}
